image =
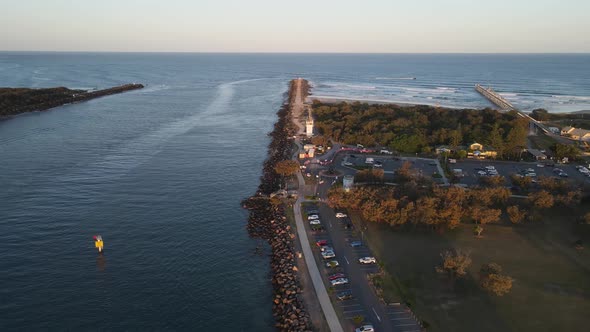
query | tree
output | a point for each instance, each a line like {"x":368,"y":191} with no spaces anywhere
{"x":541,"y":199}
{"x":565,"y":150}
{"x":287,"y":167}
{"x":319,"y":140}
{"x":493,"y":281}
{"x":492,"y":181}
{"x":495,"y":139}
{"x":482,"y":216}
{"x":497,"y":284}
{"x":515,"y":214}
{"x":490,"y":268}
{"x":455,"y":263}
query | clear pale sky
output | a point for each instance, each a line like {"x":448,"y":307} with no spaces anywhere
{"x":296,"y":26}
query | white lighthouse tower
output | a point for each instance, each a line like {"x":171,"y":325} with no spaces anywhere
{"x":309,"y":123}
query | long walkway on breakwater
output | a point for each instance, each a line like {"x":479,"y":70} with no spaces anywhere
{"x":314,"y":272}
{"x":494,"y":97}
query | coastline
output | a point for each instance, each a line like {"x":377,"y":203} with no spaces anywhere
{"x":45,"y":99}
{"x":336,"y":100}
{"x":267,"y":220}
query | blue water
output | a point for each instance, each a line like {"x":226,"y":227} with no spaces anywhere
{"x":160,"y":173}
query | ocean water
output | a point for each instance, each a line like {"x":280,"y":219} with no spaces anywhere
{"x":160,"y":173}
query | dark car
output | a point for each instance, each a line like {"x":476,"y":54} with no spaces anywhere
{"x":310,"y":212}
{"x":336,"y":276}
{"x":346,"y":295}
{"x":352,"y":156}
{"x":347,"y":226}
{"x":322,"y":243}
{"x":356,"y":244}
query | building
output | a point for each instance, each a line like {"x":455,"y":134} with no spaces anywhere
{"x":477,"y":150}
{"x":309,"y":123}
{"x":576,"y":133}
{"x":537,"y":154}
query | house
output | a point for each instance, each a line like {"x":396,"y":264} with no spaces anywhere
{"x":443,"y":149}
{"x":476,"y":147}
{"x":538,"y":155}
{"x":576,"y":133}
{"x":448,"y":149}
{"x":477,"y":150}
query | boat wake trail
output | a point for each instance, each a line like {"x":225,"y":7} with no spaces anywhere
{"x":137,"y":151}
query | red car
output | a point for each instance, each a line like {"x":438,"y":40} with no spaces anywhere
{"x":322,"y":243}
{"x":336,"y":276}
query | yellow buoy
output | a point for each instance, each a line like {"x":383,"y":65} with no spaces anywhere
{"x":98,"y":243}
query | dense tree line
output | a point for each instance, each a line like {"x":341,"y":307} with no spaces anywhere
{"x":414,"y":202}
{"x":420,"y":128}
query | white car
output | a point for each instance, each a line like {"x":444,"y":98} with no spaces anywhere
{"x":339,"y":281}
{"x":328,"y":254}
{"x":481,"y":173}
{"x":348,"y":163}
{"x":340,"y":215}
{"x":365,"y":328}
{"x":532,"y":175}
{"x":367,"y":260}
{"x":315,"y":222}
{"x":540,"y":165}
{"x":313,"y":217}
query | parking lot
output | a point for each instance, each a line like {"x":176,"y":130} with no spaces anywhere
{"x":425,"y":167}
{"x":470,"y":169}
{"x":340,"y":235}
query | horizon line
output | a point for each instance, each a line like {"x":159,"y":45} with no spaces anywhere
{"x":295,"y":52}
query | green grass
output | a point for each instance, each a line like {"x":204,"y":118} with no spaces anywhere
{"x":551,"y":290}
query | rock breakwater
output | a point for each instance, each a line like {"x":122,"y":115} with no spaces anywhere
{"x":267,"y":220}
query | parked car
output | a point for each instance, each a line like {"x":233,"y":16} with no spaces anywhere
{"x":340,"y":215}
{"x":563,"y":175}
{"x":313,"y":217}
{"x":321,"y":243}
{"x":315,"y":222}
{"x":328,"y":254}
{"x":348,"y":163}
{"x":313,"y":211}
{"x":365,"y":328}
{"x":356,"y":244}
{"x":540,"y":165}
{"x":339,"y":281}
{"x":348,"y":226}
{"x":332,"y":264}
{"x":352,"y":156}
{"x":367,"y":260}
{"x":346,"y":295}
{"x":326,"y":248}
{"x":336,"y":276}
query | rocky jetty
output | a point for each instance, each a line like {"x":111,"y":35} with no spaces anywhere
{"x":267,"y":221}
{"x":15,"y":101}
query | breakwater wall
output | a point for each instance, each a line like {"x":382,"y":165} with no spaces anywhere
{"x":21,"y":100}
{"x":267,"y":220}
{"x":494,"y":97}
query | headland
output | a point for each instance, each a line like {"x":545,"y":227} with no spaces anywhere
{"x":14,"y":101}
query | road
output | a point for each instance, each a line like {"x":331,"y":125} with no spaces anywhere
{"x":365,"y":302}
{"x":316,"y":277}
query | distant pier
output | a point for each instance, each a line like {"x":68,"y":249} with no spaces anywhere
{"x":494,"y":97}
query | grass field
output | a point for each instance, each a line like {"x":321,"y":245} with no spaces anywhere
{"x":551,"y":289}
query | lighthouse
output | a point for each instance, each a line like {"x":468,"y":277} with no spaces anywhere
{"x":309,"y":123}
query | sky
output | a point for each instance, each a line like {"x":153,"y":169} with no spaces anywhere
{"x":347,"y":26}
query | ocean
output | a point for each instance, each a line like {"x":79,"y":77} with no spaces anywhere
{"x":160,"y":173}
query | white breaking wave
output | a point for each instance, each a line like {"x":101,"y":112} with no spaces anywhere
{"x":395,"y":78}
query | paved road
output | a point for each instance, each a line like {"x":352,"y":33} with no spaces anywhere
{"x":316,"y":277}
